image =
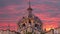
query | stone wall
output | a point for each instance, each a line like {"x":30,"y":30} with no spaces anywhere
{"x":54,"y":31}
{"x":7,"y":32}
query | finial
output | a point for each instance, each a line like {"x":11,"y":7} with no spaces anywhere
{"x":29,"y":6}
{"x":29,"y":10}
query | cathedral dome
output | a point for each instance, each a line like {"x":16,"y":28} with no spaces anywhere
{"x":30,"y":23}
{"x":31,"y":18}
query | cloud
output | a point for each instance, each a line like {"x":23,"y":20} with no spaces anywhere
{"x":4,"y":26}
{"x":11,"y":11}
{"x":9,"y":2}
{"x":47,"y":21}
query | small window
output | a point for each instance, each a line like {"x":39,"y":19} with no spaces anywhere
{"x":36,"y":25}
{"x":23,"y":17}
{"x":29,"y":21}
{"x":23,"y":25}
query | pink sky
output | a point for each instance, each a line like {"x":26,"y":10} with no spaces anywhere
{"x":11,"y":11}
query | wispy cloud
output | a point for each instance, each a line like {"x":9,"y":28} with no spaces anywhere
{"x":47,"y":10}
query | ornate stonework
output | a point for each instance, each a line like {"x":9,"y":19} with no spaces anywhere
{"x":30,"y":23}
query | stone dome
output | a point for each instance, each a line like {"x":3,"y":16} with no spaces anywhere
{"x":30,"y":23}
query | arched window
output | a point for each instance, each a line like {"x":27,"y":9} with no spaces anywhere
{"x":23,"y":25}
{"x":36,"y":25}
{"x":29,"y":21}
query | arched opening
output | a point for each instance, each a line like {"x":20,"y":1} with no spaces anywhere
{"x":36,"y":25}
{"x":23,"y":25}
{"x":29,"y":21}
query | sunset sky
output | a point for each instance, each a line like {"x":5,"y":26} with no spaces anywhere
{"x":11,"y":11}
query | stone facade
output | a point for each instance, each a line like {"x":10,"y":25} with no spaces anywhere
{"x":57,"y":31}
{"x":7,"y":32}
{"x":54,"y":31}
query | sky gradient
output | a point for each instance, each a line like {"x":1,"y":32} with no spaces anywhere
{"x":11,"y":11}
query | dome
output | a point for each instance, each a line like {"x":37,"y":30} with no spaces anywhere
{"x":31,"y":18}
{"x":30,"y":23}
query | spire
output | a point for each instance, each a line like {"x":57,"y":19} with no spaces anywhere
{"x":29,"y":10}
{"x":29,"y":4}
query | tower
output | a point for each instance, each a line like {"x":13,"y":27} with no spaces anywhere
{"x":31,"y":23}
